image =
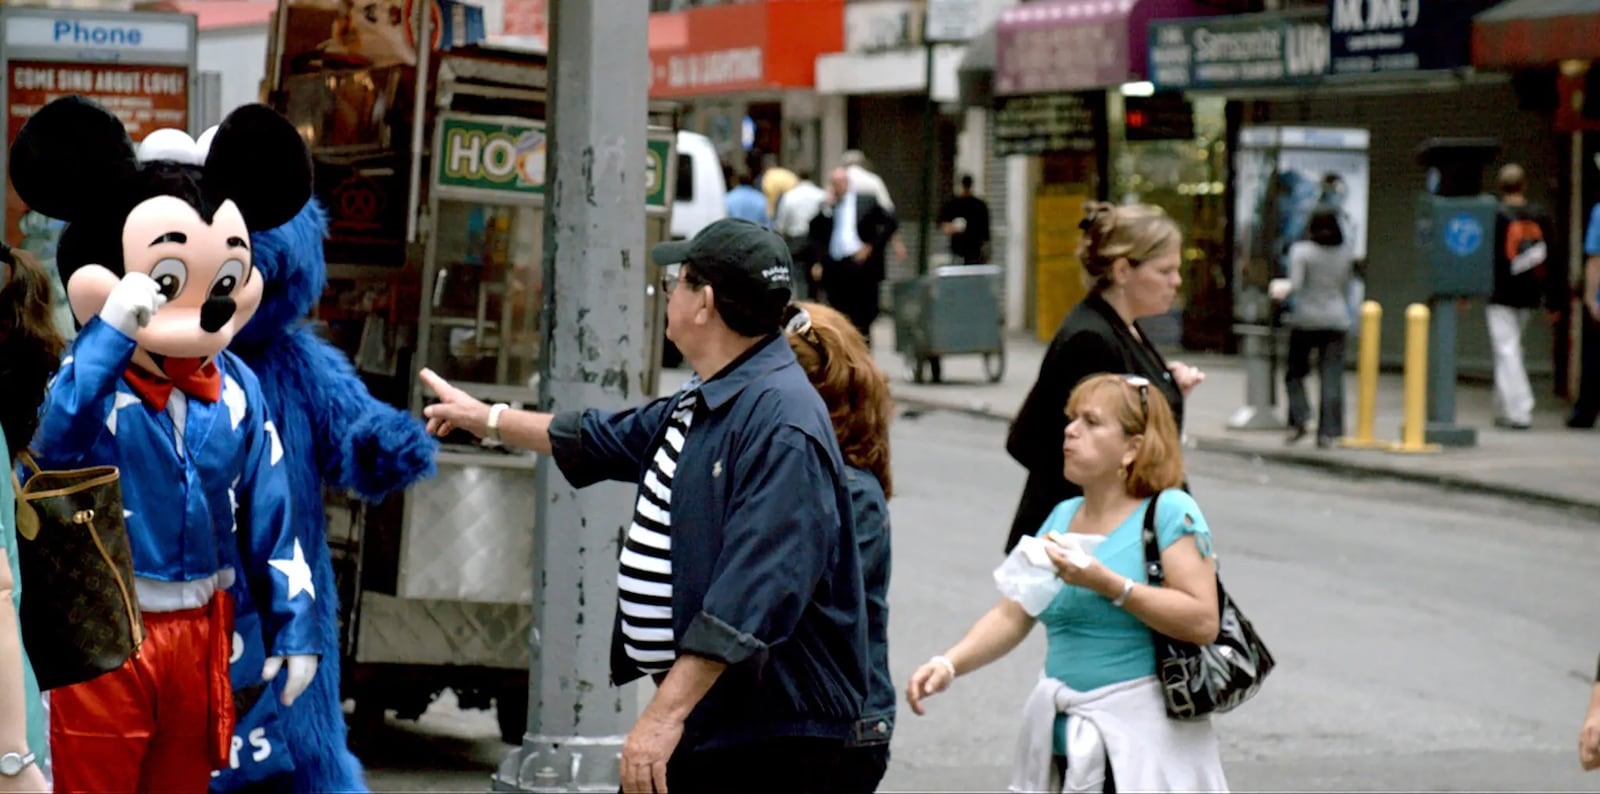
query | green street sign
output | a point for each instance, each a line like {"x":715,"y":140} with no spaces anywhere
{"x":509,"y":156}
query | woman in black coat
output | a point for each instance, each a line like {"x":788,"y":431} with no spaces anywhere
{"x":1132,"y":257}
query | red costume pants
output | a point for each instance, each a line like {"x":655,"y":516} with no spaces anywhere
{"x":159,"y":723}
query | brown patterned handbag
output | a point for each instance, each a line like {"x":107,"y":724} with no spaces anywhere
{"x":80,"y":617}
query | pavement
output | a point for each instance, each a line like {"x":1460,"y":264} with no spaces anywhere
{"x":1549,"y":463}
{"x":1426,"y":640}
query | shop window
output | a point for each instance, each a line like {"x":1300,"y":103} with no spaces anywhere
{"x":685,"y":178}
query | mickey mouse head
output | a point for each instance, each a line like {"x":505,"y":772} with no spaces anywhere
{"x":177,"y":210}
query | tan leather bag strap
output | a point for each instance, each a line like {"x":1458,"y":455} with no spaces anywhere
{"x":26,"y":458}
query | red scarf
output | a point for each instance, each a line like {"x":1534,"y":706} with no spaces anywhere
{"x":202,"y":382}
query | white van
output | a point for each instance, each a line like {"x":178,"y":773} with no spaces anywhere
{"x":702,"y":195}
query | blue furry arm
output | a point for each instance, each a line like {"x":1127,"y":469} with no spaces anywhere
{"x":364,"y":444}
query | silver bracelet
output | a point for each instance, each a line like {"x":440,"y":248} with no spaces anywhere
{"x":946,"y":663}
{"x":1127,"y":590}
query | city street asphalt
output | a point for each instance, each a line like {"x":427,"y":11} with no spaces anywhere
{"x":1426,"y":639}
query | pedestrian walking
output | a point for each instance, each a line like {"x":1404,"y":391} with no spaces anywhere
{"x":1097,"y":721}
{"x":29,"y":346}
{"x":837,"y":362}
{"x":1131,"y":259}
{"x":1587,"y":407}
{"x":796,"y":209}
{"x":1520,"y":286}
{"x":965,"y":220}
{"x":744,"y":199}
{"x":739,"y":580}
{"x":851,"y":233}
{"x":1321,"y":270}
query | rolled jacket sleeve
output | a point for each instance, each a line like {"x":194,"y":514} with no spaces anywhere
{"x":594,"y":446}
{"x":780,"y":538}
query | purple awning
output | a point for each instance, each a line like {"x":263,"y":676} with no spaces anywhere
{"x":1073,"y":45}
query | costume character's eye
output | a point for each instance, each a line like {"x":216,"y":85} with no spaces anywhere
{"x":228,"y":278}
{"x":170,"y":275}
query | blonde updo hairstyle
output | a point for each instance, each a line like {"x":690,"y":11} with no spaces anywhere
{"x":1137,"y":232}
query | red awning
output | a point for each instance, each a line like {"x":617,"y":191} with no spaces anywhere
{"x":760,"y":46}
{"x":1536,"y":33}
{"x":1072,"y":45}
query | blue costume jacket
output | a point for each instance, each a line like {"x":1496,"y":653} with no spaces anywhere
{"x":335,"y":434}
{"x":223,"y":504}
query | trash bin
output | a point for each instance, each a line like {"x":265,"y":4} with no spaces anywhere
{"x":954,"y":310}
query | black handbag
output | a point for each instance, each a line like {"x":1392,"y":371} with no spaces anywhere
{"x":1214,"y":679}
{"x":80,"y":616}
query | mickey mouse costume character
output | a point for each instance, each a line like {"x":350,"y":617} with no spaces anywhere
{"x":337,"y":435}
{"x":156,"y":261}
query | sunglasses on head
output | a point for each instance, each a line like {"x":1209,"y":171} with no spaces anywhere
{"x":797,"y":322}
{"x":1143,"y":385}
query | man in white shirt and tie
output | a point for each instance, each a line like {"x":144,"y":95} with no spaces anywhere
{"x":849,"y":235}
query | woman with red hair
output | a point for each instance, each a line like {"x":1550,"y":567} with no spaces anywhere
{"x":856,"y":391}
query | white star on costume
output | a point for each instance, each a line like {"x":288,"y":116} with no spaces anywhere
{"x":277,"y":446}
{"x":127,"y":514}
{"x":233,"y":503}
{"x":122,"y":401}
{"x":233,"y":397}
{"x":66,"y":362}
{"x":298,"y":572}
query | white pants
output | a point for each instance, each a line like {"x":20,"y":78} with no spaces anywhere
{"x":1513,"y":396}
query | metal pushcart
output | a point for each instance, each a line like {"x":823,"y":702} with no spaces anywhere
{"x":954,"y":310}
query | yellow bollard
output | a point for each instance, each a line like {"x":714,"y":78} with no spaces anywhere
{"x":1412,"y":433}
{"x":1367,"y":378}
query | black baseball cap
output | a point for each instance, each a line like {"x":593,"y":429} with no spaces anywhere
{"x":742,"y":261}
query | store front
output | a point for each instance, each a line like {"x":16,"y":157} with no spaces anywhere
{"x":744,"y":73}
{"x":1068,"y":80}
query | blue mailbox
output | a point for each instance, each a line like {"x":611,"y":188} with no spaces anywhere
{"x":1455,"y":246}
{"x":1455,"y":241}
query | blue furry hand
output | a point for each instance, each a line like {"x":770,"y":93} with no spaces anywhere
{"x":389,"y":452}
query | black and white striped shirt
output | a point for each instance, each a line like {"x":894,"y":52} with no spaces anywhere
{"x":644,"y":583}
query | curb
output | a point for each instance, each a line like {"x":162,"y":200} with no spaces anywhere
{"x":1347,"y":468}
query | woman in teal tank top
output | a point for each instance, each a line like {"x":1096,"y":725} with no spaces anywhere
{"x":1121,"y":446}
{"x":29,"y":345}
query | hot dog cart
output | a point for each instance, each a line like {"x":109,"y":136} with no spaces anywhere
{"x":437,"y":583}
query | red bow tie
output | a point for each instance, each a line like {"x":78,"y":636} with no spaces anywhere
{"x":197,"y":381}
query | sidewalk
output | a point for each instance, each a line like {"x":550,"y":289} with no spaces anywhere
{"x":1549,"y":463}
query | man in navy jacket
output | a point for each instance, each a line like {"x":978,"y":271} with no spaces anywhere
{"x":744,"y":501}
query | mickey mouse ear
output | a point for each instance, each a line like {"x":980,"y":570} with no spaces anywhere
{"x":67,"y":155}
{"x":258,"y":159}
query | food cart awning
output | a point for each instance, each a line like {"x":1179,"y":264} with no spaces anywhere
{"x":1536,"y":33}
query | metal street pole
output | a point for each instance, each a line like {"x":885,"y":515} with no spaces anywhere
{"x":593,"y":357}
{"x":929,"y":163}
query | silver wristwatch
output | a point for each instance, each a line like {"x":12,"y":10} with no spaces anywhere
{"x":12,"y":764}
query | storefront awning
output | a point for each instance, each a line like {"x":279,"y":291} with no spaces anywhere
{"x":1536,"y":33}
{"x":769,"y":45}
{"x":1074,"y":45}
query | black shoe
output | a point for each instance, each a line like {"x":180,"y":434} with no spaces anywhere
{"x":1576,"y":423}
{"x":1507,"y":424}
{"x":1295,"y":434}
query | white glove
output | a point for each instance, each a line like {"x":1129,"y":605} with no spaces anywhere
{"x":302,"y":668}
{"x":132,"y":303}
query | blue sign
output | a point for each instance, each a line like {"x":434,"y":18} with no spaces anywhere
{"x":1463,"y":234}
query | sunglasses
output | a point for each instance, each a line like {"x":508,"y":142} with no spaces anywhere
{"x":1143,"y":385}
{"x":797,"y":322}
{"x":672,"y":274}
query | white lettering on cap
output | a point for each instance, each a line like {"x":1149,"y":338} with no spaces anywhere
{"x":777,"y":274}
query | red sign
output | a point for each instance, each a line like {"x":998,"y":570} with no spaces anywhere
{"x":145,"y":98}
{"x":758,"y":46}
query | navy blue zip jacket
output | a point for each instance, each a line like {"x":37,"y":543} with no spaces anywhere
{"x":765,"y":572}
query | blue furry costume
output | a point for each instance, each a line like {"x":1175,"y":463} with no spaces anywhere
{"x":337,"y":435}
